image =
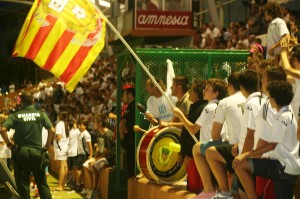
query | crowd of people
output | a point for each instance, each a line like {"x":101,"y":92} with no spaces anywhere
{"x":247,"y":125}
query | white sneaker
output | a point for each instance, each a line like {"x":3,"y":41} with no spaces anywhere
{"x":84,"y":191}
{"x":204,"y":195}
{"x":89,"y":194}
{"x":221,"y":196}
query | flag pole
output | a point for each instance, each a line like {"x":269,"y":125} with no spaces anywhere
{"x":137,"y":59}
{"x":141,"y":63}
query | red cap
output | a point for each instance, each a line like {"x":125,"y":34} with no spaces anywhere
{"x":127,"y":86}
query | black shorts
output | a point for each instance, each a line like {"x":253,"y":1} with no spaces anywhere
{"x":272,"y":169}
{"x":71,"y":162}
{"x":225,"y":152}
{"x":79,"y":160}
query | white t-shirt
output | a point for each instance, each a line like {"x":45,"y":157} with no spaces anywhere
{"x":206,"y":120}
{"x":73,"y":134}
{"x":49,"y":91}
{"x":264,"y":123}
{"x":5,"y":152}
{"x":296,"y":100}
{"x":44,"y":136}
{"x":64,"y":141}
{"x":277,"y":28}
{"x":230,"y":110}
{"x":251,"y":108}
{"x":160,"y":108}
{"x":85,"y":135}
{"x":285,"y":135}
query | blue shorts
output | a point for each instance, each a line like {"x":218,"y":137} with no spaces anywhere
{"x":206,"y":144}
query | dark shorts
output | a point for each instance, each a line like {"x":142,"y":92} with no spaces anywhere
{"x":79,"y":160}
{"x":272,"y":169}
{"x":71,"y":162}
{"x":225,"y":152}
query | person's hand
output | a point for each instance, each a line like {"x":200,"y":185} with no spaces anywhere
{"x":177,"y":112}
{"x":91,"y":162}
{"x":271,"y":52}
{"x":11,"y":146}
{"x":163,"y":124}
{"x":235,"y":150}
{"x":238,"y":159}
{"x":179,"y":159}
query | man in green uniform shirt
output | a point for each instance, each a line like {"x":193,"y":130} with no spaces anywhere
{"x":27,"y":145}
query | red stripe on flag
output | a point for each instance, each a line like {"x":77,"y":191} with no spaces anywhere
{"x":80,"y":56}
{"x":58,"y":49}
{"x":75,"y":63}
{"x":40,"y":37}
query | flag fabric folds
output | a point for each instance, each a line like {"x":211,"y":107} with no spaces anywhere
{"x":63,"y":37}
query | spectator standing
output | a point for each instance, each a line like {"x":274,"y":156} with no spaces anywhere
{"x":277,"y":28}
{"x":61,"y":146}
{"x":28,"y":123}
{"x":127,"y":134}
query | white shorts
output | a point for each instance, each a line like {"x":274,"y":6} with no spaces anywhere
{"x":98,"y":164}
{"x":61,"y":154}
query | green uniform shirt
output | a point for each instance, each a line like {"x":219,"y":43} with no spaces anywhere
{"x":28,"y":124}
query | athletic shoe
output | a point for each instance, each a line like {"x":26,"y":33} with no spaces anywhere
{"x":89,"y":194}
{"x":221,"y":196}
{"x":83,"y":191}
{"x":94,"y":194}
{"x":204,"y":195}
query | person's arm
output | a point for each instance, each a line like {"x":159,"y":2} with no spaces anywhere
{"x":216,"y":131}
{"x":3,"y":132}
{"x":258,"y":152}
{"x":286,"y":64}
{"x":90,"y":149}
{"x":249,"y":141}
{"x":175,"y":124}
{"x":298,"y":130}
{"x":192,"y":128}
{"x":261,"y":142}
{"x":151,"y":118}
{"x":122,"y":127}
{"x":51,"y":132}
{"x":278,"y":44}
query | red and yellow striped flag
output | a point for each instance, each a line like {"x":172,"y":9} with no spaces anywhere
{"x":63,"y":37}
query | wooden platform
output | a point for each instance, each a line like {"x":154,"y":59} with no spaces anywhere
{"x":143,"y":188}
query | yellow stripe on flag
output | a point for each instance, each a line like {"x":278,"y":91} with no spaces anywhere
{"x":19,"y":42}
{"x":87,"y":62}
{"x":65,"y":58}
{"x":58,"y":35}
{"x":49,"y":44}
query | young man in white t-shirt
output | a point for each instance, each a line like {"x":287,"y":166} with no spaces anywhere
{"x":229,"y":113}
{"x":281,"y":161}
{"x":84,"y":151}
{"x":215,"y":90}
{"x":264,"y":125}
{"x":220,"y":157}
{"x":158,"y":108}
{"x":277,"y":28}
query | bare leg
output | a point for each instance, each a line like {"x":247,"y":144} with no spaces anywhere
{"x":77,"y":176}
{"x":244,"y":174}
{"x":88,"y":178}
{"x":217,"y":166}
{"x":95,"y":178}
{"x":203,"y":168}
{"x":63,"y":170}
